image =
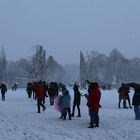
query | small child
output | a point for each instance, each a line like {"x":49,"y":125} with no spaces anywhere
{"x":66,"y":100}
{"x":58,"y":105}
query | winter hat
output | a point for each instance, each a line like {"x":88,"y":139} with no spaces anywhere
{"x":89,"y":82}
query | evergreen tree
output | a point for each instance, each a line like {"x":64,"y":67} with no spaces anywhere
{"x":3,"y":64}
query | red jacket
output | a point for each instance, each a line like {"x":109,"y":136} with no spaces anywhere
{"x":94,"y":97}
{"x":39,"y":91}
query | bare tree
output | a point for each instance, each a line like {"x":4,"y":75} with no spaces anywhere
{"x":38,"y":64}
{"x":83,"y":76}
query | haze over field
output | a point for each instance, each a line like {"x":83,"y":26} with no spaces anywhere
{"x":66,"y":27}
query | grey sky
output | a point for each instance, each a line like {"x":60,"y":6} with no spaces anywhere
{"x":64,"y":27}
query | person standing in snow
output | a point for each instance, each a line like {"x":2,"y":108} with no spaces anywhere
{"x":127,"y":97}
{"x":122,"y":95}
{"x":58,"y":105}
{"x":14,"y":87}
{"x":136,"y":99}
{"x":93,"y":103}
{"x":3,"y":91}
{"x":77,"y":100}
{"x":66,"y":100}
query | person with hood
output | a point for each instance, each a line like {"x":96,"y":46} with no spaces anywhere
{"x":29,"y":89}
{"x":66,"y":100}
{"x":93,"y":103}
{"x":136,"y":99}
{"x":77,"y":100}
{"x":122,"y":95}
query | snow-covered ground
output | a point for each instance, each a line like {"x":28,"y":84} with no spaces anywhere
{"x":19,"y":120}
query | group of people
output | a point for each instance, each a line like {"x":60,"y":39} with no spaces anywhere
{"x":124,"y":95}
{"x":51,"y":90}
{"x":62,"y":103}
{"x":3,"y":89}
{"x":38,"y":90}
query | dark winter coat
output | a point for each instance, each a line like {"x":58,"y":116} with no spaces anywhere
{"x":77,"y":95}
{"x":122,"y":92}
{"x":34,"y":86}
{"x":29,"y":87}
{"x":53,"y":89}
{"x":45,"y":86}
{"x":51,"y":92}
{"x":94,"y":96}
{"x":3,"y":88}
{"x":136,"y":96}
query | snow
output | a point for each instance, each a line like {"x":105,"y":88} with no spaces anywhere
{"x":19,"y":120}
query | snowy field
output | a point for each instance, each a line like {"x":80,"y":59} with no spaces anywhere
{"x":19,"y":120}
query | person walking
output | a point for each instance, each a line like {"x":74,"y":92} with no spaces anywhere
{"x":3,"y":91}
{"x":40,"y":96}
{"x":136,"y":99}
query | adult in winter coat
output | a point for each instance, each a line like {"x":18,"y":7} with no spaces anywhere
{"x":29,"y":89}
{"x":14,"y":87}
{"x":40,"y":96}
{"x":3,"y":91}
{"x":51,"y":93}
{"x":136,"y":99}
{"x":77,"y":100}
{"x":122,"y":95}
{"x":127,"y":97}
{"x":45,"y":85}
{"x":93,"y":103}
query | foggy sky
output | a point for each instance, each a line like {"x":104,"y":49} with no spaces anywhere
{"x":64,"y":27}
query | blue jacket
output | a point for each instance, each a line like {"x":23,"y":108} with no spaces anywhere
{"x":66,"y":100}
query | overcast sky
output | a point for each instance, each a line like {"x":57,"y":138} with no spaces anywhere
{"x":64,"y":27}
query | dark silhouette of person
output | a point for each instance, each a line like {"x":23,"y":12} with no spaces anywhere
{"x":77,"y":100}
{"x":3,"y":91}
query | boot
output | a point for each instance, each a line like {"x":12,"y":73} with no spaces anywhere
{"x":125,"y":107}
{"x":44,"y":108}
{"x":72,"y":115}
{"x":38,"y":108}
{"x":96,"y":125}
{"x":79,"y":113}
{"x":91,"y":126}
{"x":73,"y":110}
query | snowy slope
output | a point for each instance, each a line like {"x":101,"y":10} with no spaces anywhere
{"x":19,"y":120}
